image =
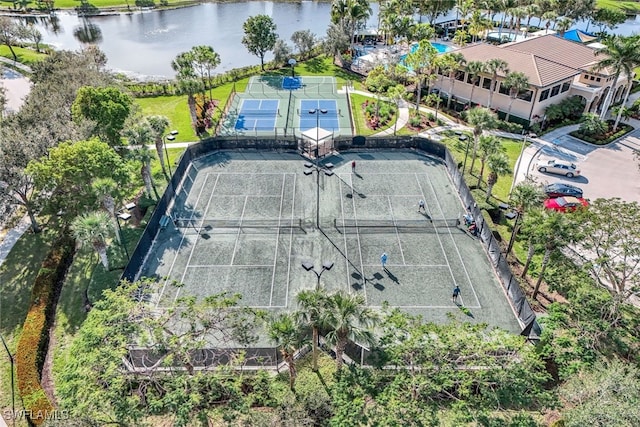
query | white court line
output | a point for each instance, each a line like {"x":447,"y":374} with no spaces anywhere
{"x":344,"y":238}
{"x":379,"y":307}
{"x":275,"y":254}
{"x":436,"y":230}
{"x":293,"y":204}
{"x":355,"y":217}
{"x":206,"y":209}
{"x":407,"y":265}
{"x":473,"y":289}
{"x":396,"y":229}
{"x":179,"y":246}
{"x":235,"y":246}
{"x":227,"y":265}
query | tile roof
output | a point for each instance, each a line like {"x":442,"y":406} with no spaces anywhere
{"x":544,"y":60}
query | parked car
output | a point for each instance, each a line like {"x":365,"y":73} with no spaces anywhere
{"x":559,"y":167}
{"x":559,"y":189}
{"x":565,"y":203}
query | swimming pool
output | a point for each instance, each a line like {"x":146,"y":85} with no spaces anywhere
{"x":440,"y":47}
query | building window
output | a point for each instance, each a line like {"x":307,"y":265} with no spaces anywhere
{"x":555,"y":90}
{"x":460,"y":75}
{"x":486,"y":83}
{"x":591,"y":78}
{"x":527,"y":95}
{"x":470,"y":80}
{"x":597,"y":79}
{"x":565,"y":87}
{"x":503,"y":89}
{"x":544,"y":94}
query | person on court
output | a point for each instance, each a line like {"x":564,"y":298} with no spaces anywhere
{"x":456,"y":292}
{"x":353,"y":166}
{"x":383,"y":260}
{"x":422,"y":206}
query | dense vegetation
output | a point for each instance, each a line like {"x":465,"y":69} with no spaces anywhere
{"x":64,"y":163}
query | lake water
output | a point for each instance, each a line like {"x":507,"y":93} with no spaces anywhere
{"x":144,"y":44}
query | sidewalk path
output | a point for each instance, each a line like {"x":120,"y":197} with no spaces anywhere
{"x":12,"y":237}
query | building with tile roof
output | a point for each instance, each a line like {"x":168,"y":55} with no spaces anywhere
{"x":555,"y":67}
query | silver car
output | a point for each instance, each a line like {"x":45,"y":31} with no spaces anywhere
{"x":558,"y":167}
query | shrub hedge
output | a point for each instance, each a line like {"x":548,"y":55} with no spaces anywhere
{"x":623,"y":130}
{"x":34,"y":340}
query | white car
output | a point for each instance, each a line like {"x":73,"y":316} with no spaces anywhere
{"x":558,"y":167}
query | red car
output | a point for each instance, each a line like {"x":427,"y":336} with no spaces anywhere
{"x":566,"y":203}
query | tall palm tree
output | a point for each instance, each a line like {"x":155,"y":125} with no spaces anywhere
{"x":531,"y":231}
{"x":531,"y":10}
{"x":454,"y":62}
{"x":622,"y":56}
{"x":93,"y":228}
{"x":549,"y":16}
{"x":488,"y":146}
{"x":285,"y":332}
{"x":480,"y":119}
{"x":312,"y":307}
{"x":478,"y":24}
{"x":395,"y":93}
{"x":494,"y":66}
{"x":106,"y":190}
{"x":557,"y":230}
{"x":159,"y":125}
{"x":499,"y":165}
{"x":422,"y":61}
{"x":563,"y":25}
{"x":348,"y":318}
{"x":516,"y":82}
{"x":525,"y":196}
{"x":139,"y":136}
{"x":474,"y":70}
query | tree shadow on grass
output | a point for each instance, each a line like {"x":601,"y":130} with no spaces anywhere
{"x":316,"y":65}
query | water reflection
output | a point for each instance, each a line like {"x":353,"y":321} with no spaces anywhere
{"x":88,"y":33}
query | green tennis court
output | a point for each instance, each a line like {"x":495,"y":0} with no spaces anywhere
{"x":246,"y":222}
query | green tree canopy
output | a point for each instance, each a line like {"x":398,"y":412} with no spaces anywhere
{"x":63,"y":178}
{"x":107,"y":107}
{"x":259,"y":36}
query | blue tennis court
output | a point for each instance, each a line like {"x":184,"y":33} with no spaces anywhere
{"x":258,"y":114}
{"x":328,"y":120}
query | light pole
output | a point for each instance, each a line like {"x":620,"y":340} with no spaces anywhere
{"x":124,"y":216}
{"x":170,"y":137}
{"x":317,"y":113}
{"x":515,"y":175}
{"x":293,"y":62}
{"x":13,"y":395}
{"x":326,"y":266}
{"x":514,"y":231}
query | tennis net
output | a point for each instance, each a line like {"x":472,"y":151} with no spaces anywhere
{"x":351,"y":226}
{"x":253,"y":113}
{"x":209,"y":224}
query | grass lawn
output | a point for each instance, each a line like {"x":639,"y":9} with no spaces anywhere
{"x":358,"y":116}
{"x":25,"y":56}
{"x":625,"y":6}
{"x":175,"y":108}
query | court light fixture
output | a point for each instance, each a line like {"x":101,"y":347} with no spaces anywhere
{"x":326,"y":266}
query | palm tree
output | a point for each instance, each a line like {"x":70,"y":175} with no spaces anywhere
{"x":478,"y":25}
{"x":563,"y":25}
{"x":516,"y":82}
{"x":422,"y":61}
{"x":139,"y":136}
{"x":312,"y":307}
{"x":474,"y":70}
{"x":348,"y":318}
{"x":499,"y":165}
{"x":395,"y":94}
{"x":93,"y":228}
{"x":106,"y":191}
{"x":525,"y":196}
{"x":531,"y":11}
{"x":549,"y":16}
{"x":531,"y":231}
{"x":622,"y":56}
{"x":494,"y":66}
{"x":285,"y":332}
{"x":488,"y":146}
{"x":454,"y":62}
{"x":557,"y":230}
{"x":480,"y":119}
{"x":159,"y":125}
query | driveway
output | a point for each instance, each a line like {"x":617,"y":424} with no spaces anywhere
{"x":17,"y":87}
{"x":606,"y":172}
